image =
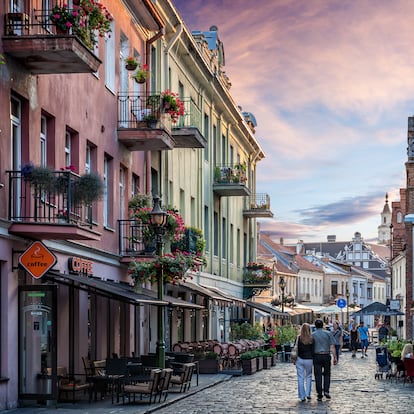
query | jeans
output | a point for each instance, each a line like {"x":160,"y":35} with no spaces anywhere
{"x":338,"y":351}
{"x":322,"y":371}
{"x":304,"y":372}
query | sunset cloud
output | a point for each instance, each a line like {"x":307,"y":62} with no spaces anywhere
{"x":330,"y":84}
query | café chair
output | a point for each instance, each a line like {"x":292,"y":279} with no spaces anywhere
{"x":184,"y":376}
{"x":70,"y":384}
{"x":164,"y":384}
{"x":150,"y":388}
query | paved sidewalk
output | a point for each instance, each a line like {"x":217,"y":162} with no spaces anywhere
{"x":105,"y":406}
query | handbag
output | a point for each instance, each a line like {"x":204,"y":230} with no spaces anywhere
{"x":294,"y":352}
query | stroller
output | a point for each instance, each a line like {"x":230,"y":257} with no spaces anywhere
{"x":383,"y":362}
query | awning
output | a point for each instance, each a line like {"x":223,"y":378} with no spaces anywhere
{"x":267,"y":308}
{"x":220,"y":300}
{"x":119,"y":290}
{"x":236,"y":301}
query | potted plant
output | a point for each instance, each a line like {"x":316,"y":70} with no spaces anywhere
{"x":41,"y":178}
{"x":95,"y":19}
{"x":63,"y":216}
{"x":64,"y":18}
{"x":208,"y":363}
{"x":131,"y":63}
{"x":172,"y":105}
{"x":141,"y":75}
{"x":248,"y":361}
{"x":88,"y":188}
{"x":151,"y":121}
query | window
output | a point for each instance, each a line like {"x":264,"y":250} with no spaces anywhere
{"x":16,"y":151}
{"x":231,"y":243}
{"x":206,"y":227}
{"x":215,"y":149}
{"x":216,"y":234}
{"x":68,"y":148}
{"x":224,"y":238}
{"x":224,"y":150}
{"x":122,"y":192}
{"x":135,"y":185}
{"x":399,"y":217}
{"x":206,"y":134}
{"x":334,"y":288}
{"x":88,"y":159}
{"x":238,"y":248}
{"x":43,"y":141}
{"x":107,"y":197}
{"x":110,"y":59}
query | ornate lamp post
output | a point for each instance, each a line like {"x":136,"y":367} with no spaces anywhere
{"x":158,"y":220}
{"x":282,"y":285}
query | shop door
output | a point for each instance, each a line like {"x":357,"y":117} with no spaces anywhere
{"x":37,"y":342}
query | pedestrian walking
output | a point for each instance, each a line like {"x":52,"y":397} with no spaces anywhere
{"x":354,"y":340}
{"x":383,"y":333}
{"x":363,"y":335}
{"x":324,"y":346}
{"x":339,"y":340}
{"x":304,"y":362}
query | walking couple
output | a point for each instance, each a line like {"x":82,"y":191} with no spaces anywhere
{"x":313,"y":350}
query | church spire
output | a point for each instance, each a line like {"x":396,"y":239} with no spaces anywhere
{"x":384,"y":231}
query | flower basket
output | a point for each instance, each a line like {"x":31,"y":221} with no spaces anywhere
{"x":88,"y":188}
{"x":172,"y":105}
{"x":142,"y":73}
{"x":131,"y":63}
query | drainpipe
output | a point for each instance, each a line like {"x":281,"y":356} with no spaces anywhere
{"x":148,"y":62}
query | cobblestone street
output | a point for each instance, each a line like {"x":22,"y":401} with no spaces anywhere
{"x":354,"y":389}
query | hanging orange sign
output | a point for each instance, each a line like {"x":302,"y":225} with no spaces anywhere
{"x":37,"y":259}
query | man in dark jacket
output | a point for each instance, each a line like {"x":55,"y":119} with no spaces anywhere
{"x":324,"y":343}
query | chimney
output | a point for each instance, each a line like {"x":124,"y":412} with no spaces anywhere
{"x":281,"y":241}
{"x":299,"y":247}
{"x":331,"y":238}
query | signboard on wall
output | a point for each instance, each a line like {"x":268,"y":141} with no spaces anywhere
{"x":37,"y":259}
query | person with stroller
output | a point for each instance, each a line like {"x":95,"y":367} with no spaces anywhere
{"x":363,"y":335}
{"x":354,"y":340}
{"x":304,"y":362}
{"x":382,"y":333}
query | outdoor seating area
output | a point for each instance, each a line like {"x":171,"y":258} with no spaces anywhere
{"x":128,"y":379}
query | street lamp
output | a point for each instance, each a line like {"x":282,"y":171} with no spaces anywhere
{"x":158,"y":220}
{"x":282,"y":285}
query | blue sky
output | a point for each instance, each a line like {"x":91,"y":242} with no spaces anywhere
{"x":331,"y":84}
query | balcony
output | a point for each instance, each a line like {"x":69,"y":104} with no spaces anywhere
{"x":142,"y":124}
{"x":258,"y":205}
{"x":132,"y":243}
{"x":257,"y":278}
{"x":32,"y":40}
{"x":49,"y":207}
{"x":186,"y":132}
{"x":230,"y":180}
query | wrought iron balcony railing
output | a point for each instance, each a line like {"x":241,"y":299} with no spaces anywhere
{"x":48,"y":199}
{"x":258,"y":205}
{"x":132,"y":240}
{"x":230,"y":180}
{"x":34,"y":40}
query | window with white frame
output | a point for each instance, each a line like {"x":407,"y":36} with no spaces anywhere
{"x":68,"y":147}
{"x":110,"y":59}
{"x":43,"y":141}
